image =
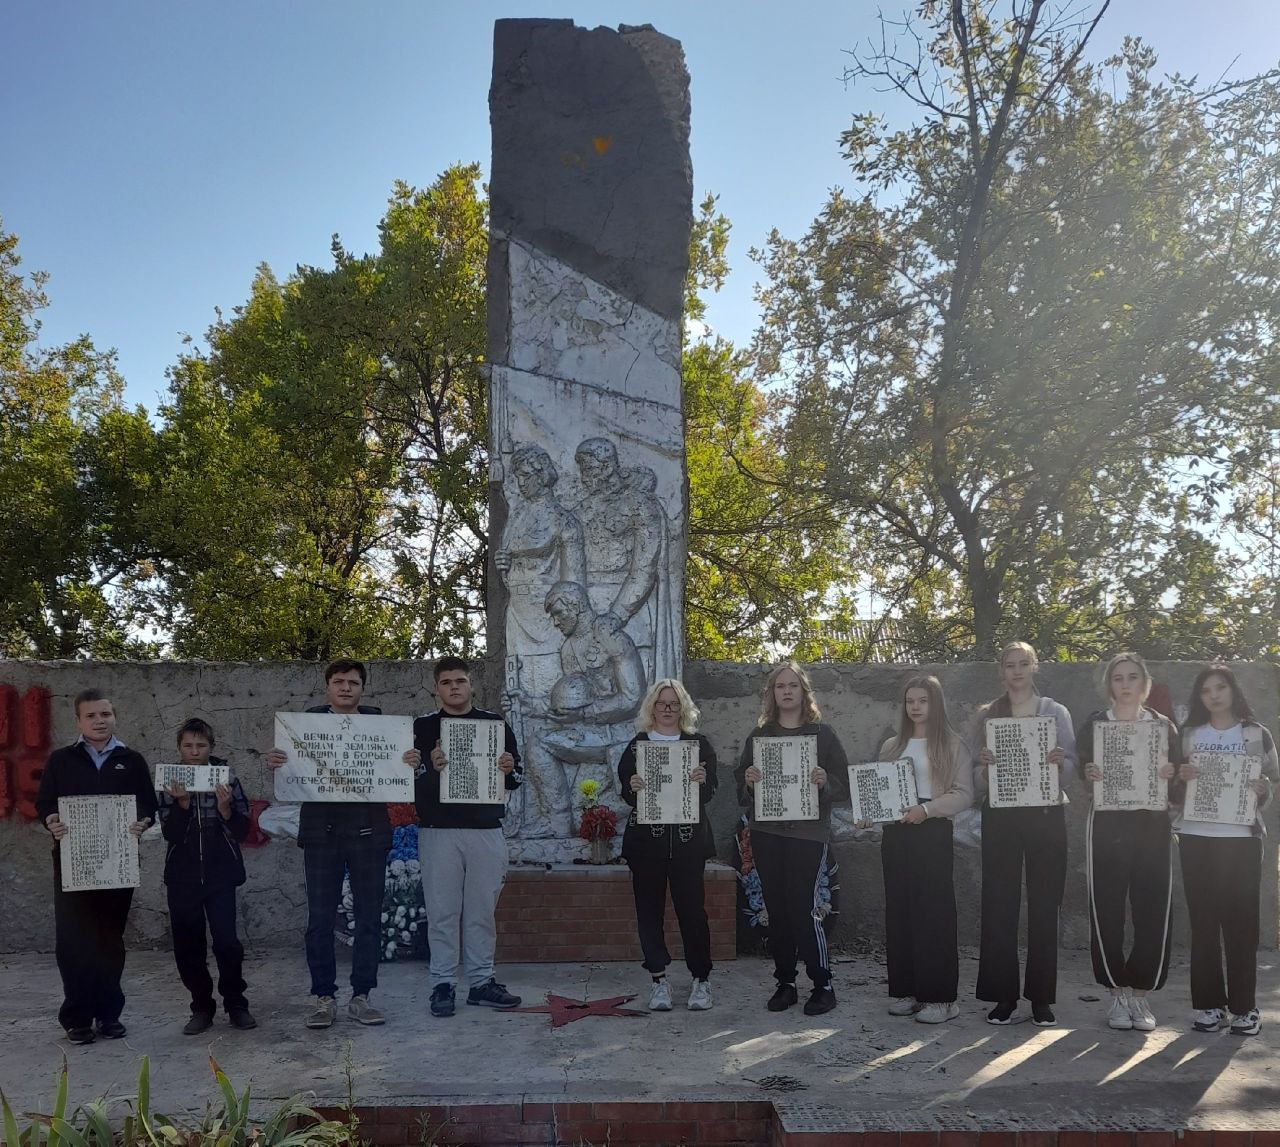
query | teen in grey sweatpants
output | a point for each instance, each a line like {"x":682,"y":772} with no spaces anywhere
{"x":463,"y":855}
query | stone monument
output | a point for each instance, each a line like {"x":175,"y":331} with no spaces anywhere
{"x":591,"y":198}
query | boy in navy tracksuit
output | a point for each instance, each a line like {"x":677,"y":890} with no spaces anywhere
{"x":202,"y":869}
{"x":89,"y":926}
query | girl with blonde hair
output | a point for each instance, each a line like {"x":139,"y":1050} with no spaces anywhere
{"x":791,"y":856}
{"x":921,"y":946}
{"x":1033,"y":839}
{"x":663,"y":856}
{"x":1129,"y":861}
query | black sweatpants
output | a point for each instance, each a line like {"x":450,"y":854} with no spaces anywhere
{"x":89,"y":948}
{"x":1014,"y":838}
{"x":650,"y":878}
{"x":323,"y":866}
{"x":790,"y":869}
{"x":1130,"y":862}
{"x":920,"y":911}
{"x":189,"y":907}
{"x":1222,"y":878}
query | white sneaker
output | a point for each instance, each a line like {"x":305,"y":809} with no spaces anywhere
{"x":1140,"y":1013}
{"x":1248,"y":1024}
{"x":1118,"y":1015}
{"x":937,"y":1013}
{"x":1209,"y":1020}
{"x":903,"y":1006}
{"x":660,"y":996}
{"x":699,"y":996}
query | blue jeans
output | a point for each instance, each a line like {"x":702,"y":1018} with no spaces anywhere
{"x":324,"y":865}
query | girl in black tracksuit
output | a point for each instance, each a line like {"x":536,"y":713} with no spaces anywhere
{"x":670,"y":855}
{"x":791,"y":856}
{"x":1129,"y":861}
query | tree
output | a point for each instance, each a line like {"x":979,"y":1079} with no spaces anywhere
{"x":1022,"y":347}
{"x":75,"y":470}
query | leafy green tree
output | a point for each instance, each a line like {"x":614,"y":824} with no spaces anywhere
{"x":75,"y":468}
{"x":1024,"y":346}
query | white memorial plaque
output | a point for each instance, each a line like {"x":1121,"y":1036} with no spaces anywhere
{"x":1130,"y":755}
{"x":882,"y":791}
{"x":1022,"y":776}
{"x":471,"y":751}
{"x":669,"y":795}
{"x":344,"y":757}
{"x":99,"y":851}
{"x":194,"y":778}
{"x":784,"y":790}
{"x":1220,"y":792}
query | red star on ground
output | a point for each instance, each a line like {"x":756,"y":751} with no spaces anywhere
{"x":563,"y":1010}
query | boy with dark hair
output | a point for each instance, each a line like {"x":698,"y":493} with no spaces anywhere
{"x":202,"y":869}
{"x":336,"y":837}
{"x":89,"y":926}
{"x":463,"y":855}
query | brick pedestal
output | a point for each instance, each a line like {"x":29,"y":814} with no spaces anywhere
{"x":576,"y":912}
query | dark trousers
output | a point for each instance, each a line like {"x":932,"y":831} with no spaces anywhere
{"x":921,"y":948}
{"x":1222,"y":878}
{"x":323,"y":865}
{"x":789,"y":876}
{"x":89,"y":947}
{"x":189,"y":907}
{"x":1130,"y":859}
{"x":650,"y":878}
{"x":1014,"y":839}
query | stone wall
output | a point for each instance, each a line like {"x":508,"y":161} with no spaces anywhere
{"x":860,"y":701}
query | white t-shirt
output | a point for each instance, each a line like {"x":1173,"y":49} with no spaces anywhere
{"x":918,"y":750}
{"x":1207,"y":739}
{"x":654,"y":735}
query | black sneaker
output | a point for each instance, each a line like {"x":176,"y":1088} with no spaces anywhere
{"x":442,"y":1000}
{"x":784,"y":998}
{"x":1042,"y":1015}
{"x":112,"y":1029}
{"x":199,"y":1022}
{"x":241,"y":1018}
{"x":820,"y":1000}
{"x":1002,"y":1013}
{"x":81,"y":1035}
{"x":492,"y":994}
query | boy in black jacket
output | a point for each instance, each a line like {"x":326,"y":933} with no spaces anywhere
{"x":89,"y":926}
{"x":202,"y":869}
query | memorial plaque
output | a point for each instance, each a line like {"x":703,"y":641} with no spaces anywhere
{"x":669,"y":795}
{"x":471,"y":751}
{"x":1022,"y":776}
{"x":784,"y":790}
{"x":99,"y":851}
{"x":195,"y":778}
{"x":882,"y":791}
{"x":1130,"y":755}
{"x":1220,"y":792}
{"x":344,"y":757}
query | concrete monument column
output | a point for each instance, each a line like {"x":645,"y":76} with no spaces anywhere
{"x":591,"y":201}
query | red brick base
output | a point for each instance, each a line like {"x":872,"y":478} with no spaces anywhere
{"x":574,"y":913}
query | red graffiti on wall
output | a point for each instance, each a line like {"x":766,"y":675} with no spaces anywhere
{"x":26,"y":732}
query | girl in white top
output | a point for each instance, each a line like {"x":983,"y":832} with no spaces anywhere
{"x":919,"y":891}
{"x":1222,"y":863}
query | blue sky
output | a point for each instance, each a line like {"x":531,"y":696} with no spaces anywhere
{"x":153,"y":153}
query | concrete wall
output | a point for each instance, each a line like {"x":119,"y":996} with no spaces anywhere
{"x":860,"y":701}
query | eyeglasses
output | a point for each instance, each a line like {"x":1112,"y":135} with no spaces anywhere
{"x":669,"y":706}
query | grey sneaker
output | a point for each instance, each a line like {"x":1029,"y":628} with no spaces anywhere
{"x":492,"y":994}
{"x":1118,"y":1016}
{"x":1248,"y":1024}
{"x":903,"y":1006}
{"x":700,"y":996}
{"x":363,"y":1012}
{"x":660,"y":996}
{"x":1140,"y":1013}
{"x":937,"y":1013}
{"x":322,"y":1016}
{"x":1209,"y":1020}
